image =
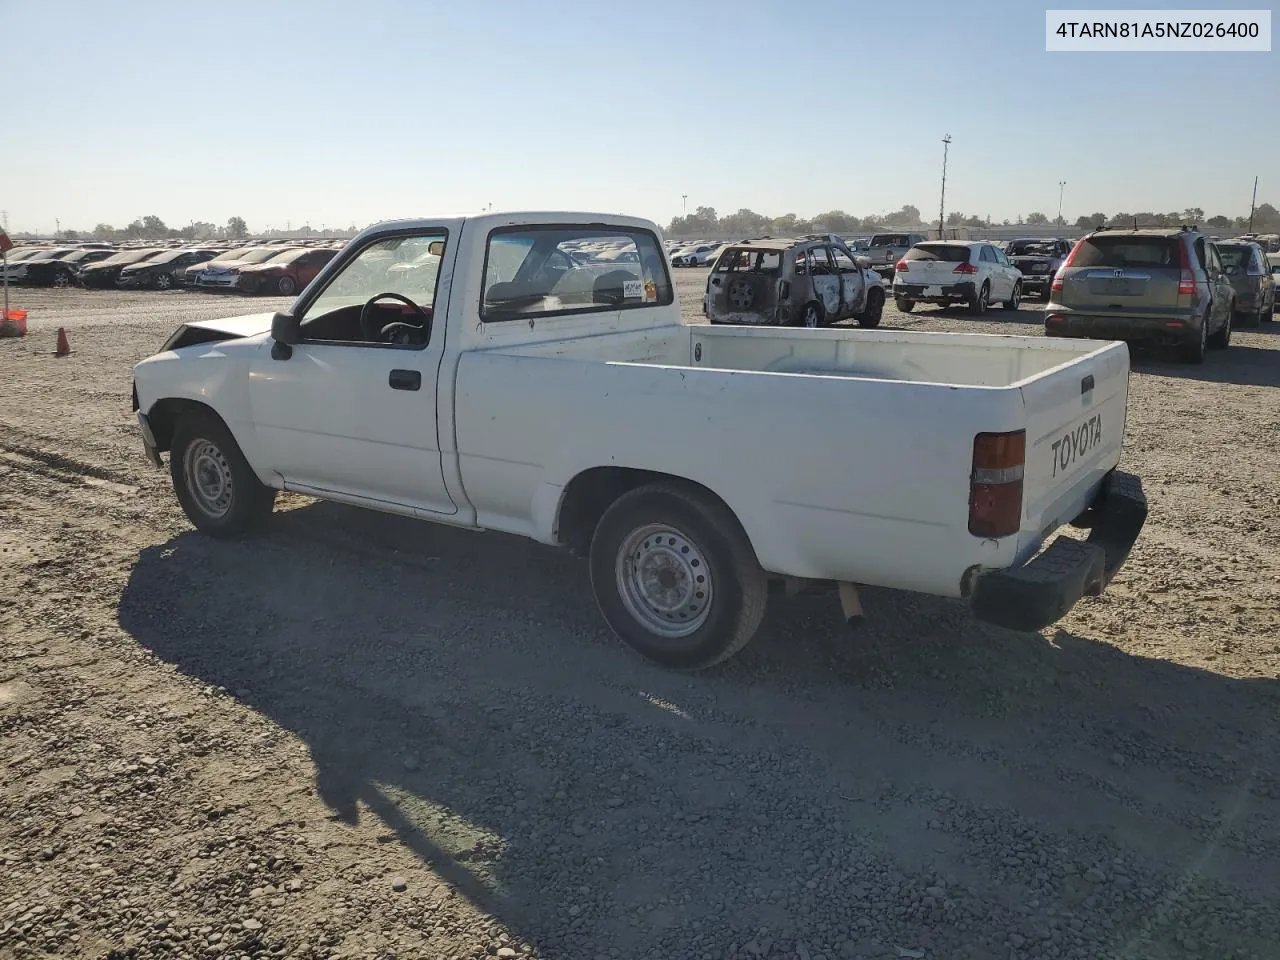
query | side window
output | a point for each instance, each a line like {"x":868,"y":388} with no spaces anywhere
{"x":1214,"y":261}
{"x":843,"y":261}
{"x":549,"y":271}
{"x":1200,"y":254}
{"x":820,"y":262}
{"x":801,"y":263}
{"x":349,"y":309}
{"x":987,"y":255}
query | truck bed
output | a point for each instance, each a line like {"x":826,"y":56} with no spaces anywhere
{"x":847,"y":453}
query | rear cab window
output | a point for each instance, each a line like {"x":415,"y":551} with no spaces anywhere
{"x":540,"y":271}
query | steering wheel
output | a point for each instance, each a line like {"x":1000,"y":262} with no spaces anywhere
{"x":372,"y":335}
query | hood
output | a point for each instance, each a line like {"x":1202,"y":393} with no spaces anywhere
{"x":261,"y":267}
{"x":246,"y":326}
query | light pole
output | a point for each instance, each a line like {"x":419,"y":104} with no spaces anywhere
{"x":1253,"y":204}
{"x":684,"y":204}
{"x":942,"y":203}
{"x":1061,"y":184}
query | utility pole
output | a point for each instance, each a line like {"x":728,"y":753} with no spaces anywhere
{"x":942,"y":203}
{"x":1253,"y":204}
{"x":57,"y":224}
{"x":1061,"y":184}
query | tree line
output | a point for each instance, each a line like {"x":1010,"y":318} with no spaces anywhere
{"x":706,"y":221}
{"x":152,"y":227}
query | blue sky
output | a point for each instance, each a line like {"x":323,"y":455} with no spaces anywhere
{"x":349,"y":112}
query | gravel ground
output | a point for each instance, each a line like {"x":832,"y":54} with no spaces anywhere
{"x":365,"y":737}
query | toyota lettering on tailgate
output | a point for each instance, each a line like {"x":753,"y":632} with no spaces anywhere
{"x":1076,"y":444}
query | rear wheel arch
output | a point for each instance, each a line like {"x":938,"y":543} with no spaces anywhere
{"x":590,"y":493}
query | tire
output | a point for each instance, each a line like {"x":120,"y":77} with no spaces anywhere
{"x":1194,"y":352}
{"x":978,"y":305}
{"x":1223,"y":338}
{"x":286,"y":286}
{"x":163,"y":281}
{"x":813,"y":315}
{"x":870,"y":317}
{"x":904,"y":306}
{"x":665,"y":621}
{"x":230,"y":501}
{"x":62,"y":279}
{"x":1013,"y":302}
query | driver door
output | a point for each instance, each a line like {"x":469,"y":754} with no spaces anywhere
{"x":349,"y":415}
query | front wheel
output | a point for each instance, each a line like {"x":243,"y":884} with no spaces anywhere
{"x":218,"y":490}
{"x":675,"y":576}
{"x":1222,"y":339}
{"x":813,"y":315}
{"x":870,"y":317}
{"x":286,"y":286}
{"x":163,"y":282}
{"x":1015,"y":300}
{"x":904,"y":306}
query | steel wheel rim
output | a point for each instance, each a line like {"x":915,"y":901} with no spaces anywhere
{"x":740,"y":295}
{"x":664,"y":581}
{"x":208,"y":476}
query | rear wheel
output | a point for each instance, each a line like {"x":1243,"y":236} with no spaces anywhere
{"x":675,"y":576}
{"x":1193,"y":352}
{"x":286,"y":286}
{"x":218,"y":490}
{"x":813,"y":315}
{"x":904,"y":306}
{"x":1015,"y":300}
{"x":980,"y":303}
{"x":1221,"y":339}
{"x":870,"y":317}
{"x":163,"y":282}
{"x":62,"y":279}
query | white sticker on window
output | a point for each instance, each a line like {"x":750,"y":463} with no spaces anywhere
{"x":632,"y":289}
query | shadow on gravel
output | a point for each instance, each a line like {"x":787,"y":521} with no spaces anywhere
{"x":1238,"y":364}
{"x":462,"y":687}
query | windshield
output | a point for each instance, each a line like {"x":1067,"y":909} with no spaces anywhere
{"x":126,"y":256}
{"x":288,"y":256}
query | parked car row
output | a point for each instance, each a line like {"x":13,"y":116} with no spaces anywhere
{"x":273,"y":267}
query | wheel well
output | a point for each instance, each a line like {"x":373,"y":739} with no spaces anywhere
{"x":588,"y":495}
{"x":164,"y":415}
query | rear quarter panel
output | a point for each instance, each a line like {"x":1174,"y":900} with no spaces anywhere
{"x":832,"y":477}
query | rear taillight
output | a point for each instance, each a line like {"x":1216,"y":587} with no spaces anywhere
{"x":1056,"y":285}
{"x":965,"y":268}
{"x":995,"y":486}
{"x":900,"y":266}
{"x":1186,"y":279}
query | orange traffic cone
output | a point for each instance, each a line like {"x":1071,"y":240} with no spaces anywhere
{"x":64,"y":348}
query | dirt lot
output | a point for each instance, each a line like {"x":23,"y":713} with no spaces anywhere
{"x":366,"y":737}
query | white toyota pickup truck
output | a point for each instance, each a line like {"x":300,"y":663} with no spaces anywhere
{"x":480,"y":372}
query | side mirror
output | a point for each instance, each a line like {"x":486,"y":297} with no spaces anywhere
{"x":286,"y":332}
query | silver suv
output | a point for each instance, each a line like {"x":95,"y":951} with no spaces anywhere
{"x":1165,"y":286}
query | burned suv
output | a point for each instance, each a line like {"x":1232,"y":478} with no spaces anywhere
{"x":808,"y":281}
{"x":1160,"y":285}
{"x":1038,"y":260}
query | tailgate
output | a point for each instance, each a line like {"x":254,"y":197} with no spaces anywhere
{"x":1075,"y":430}
{"x":933,"y":273}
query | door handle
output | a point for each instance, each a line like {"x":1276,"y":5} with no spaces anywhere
{"x":404,"y":379}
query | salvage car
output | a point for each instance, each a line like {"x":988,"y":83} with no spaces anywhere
{"x":1037,"y":261}
{"x":949,"y":272}
{"x":284,"y":274}
{"x":576,"y":406}
{"x":808,"y":281}
{"x":1250,"y":274}
{"x":886,"y":249}
{"x":1165,"y":286}
{"x":163,"y":271}
{"x":61,"y":271}
{"x":208,"y":273}
{"x":104,"y":272}
{"x":15,"y":268}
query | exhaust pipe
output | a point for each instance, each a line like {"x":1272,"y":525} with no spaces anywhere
{"x":851,"y":604}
